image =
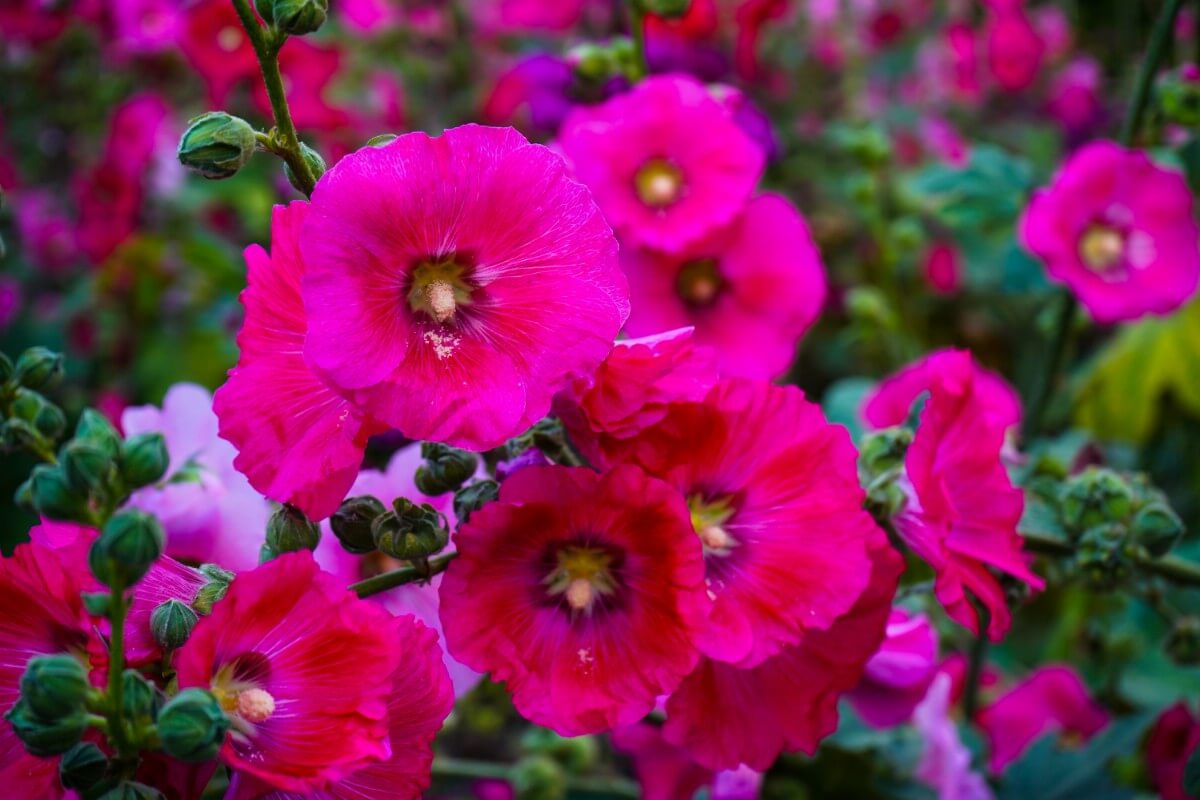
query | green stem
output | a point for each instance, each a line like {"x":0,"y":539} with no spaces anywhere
{"x":976,"y":659}
{"x":1178,"y":570}
{"x":608,"y":787}
{"x":400,"y":577}
{"x":1058,"y":353}
{"x":116,"y":672}
{"x":637,"y":31}
{"x":1160,"y":38}
{"x":266,"y":47}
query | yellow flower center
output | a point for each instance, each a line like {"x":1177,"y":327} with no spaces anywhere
{"x":581,"y":576}
{"x":1101,"y":248}
{"x":255,"y":705}
{"x":659,"y":183}
{"x":439,"y":289}
{"x":709,"y":519}
{"x":699,"y":283}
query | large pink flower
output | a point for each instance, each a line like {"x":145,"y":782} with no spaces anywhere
{"x":751,"y":290}
{"x":277,"y":651}
{"x":298,"y":440}
{"x":963,"y":510}
{"x":1119,"y":230}
{"x":666,"y":161}
{"x":725,"y":716}
{"x":455,"y":283}
{"x":774,"y":498}
{"x":582,"y":592}
{"x":899,"y":674}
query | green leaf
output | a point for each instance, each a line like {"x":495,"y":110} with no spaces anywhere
{"x":843,"y":401}
{"x":1121,"y":395}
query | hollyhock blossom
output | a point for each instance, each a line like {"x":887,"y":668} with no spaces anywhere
{"x":453,"y":284}
{"x":1014,"y":50}
{"x":898,"y":676}
{"x":725,"y":716}
{"x":750,"y":290}
{"x":47,"y":234}
{"x":1119,"y":231}
{"x":942,"y":268}
{"x":145,"y":26}
{"x":217,"y":46}
{"x":208,"y":509}
{"x":666,"y":772}
{"x":534,"y":94}
{"x":945,"y":764}
{"x":661,"y":183}
{"x":688,"y":43}
{"x":1051,"y":698}
{"x":298,"y":440}
{"x":582,"y":592}
{"x":1173,"y":740}
{"x":1074,"y":95}
{"x":277,"y":651}
{"x":509,"y":16}
{"x":963,"y":510}
{"x":891,"y":401}
{"x":369,"y":16}
{"x":751,"y":17}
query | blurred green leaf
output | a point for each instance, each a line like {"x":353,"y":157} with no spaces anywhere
{"x":844,"y":400}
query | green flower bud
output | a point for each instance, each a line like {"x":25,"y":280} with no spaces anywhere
{"x":316,"y":166}
{"x":591,"y":61}
{"x":538,"y":777}
{"x":351,"y":523}
{"x":82,"y":767}
{"x":53,"y":496}
{"x":50,"y":421}
{"x":884,"y":451}
{"x":45,"y":738}
{"x":95,"y":428}
{"x":216,"y":145}
{"x":87,"y":467}
{"x":410,"y":532}
{"x":1179,"y":96}
{"x":143,"y":459}
{"x":26,"y":404}
{"x":172,"y":622}
{"x":6,"y":368}
{"x":1093,"y":497}
{"x":668,"y":8}
{"x":139,"y":698}
{"x":127,"y":547}
{"x":132,"y":791}
{"x":289,"y":530}
{"x":1102,"y":556}
{"x":381,"y":140}
{"x":18,"y":434}
{"x":1157,"y":528}
{"x":191,"y":726}
{"x":473,"y":497}
{"x":1183,"y":642}
{"x":54,"y":686}
{"x":299,"y":17}
{"x":868,"y":304}
{"x":445,"y":468}
{"x":39,"y":368}
{"x":576,"y":754}
{"x":213,"y":591}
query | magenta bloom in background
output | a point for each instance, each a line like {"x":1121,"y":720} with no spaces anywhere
{"x":298,"y":440}
{"x":1052,"y":698}
{"x":208,"y":509}
{"x":1119,"y":231}
{"x":1173,"y":739}
{"x":667,"y":772}
{"x":454,"y":284}
{"x":582,"y":592}
{"x":1014,"y":49}
{"x":945,"y":764}
{"x":666,"y":161}
{"x":898,"y":675}
{"x":750,"y":290}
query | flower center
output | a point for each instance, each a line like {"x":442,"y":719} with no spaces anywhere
{"x":708,"y":520}
{"x":255,"y":705}
{"x":438,"y":289}
{"x":1101,"y":248}
{"x":699,"y":283}
{"x":581,"y":576}
{"x":229,"y":39}
{"x":659,"y":183}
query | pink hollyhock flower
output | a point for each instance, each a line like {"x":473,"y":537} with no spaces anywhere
{"x":277,"y":651}
{"x":526,"y":15}
{"x":659,"y":182}
{"x":750,"y":290}
{"x":454,"y":284}
{"x":208,"y":509}
{"x":1173,"y":740}
{"x":751,"y":17}
{"x":298,"y":440}
{"x":945,"y":764}
{"x":47,"y":234}
{"x":215,"y":43}
{"x":899,"y":674}
{"x":1119,"y":231}
{"x":1051,"y":698}
{"x":584,"y":593}
{"x":10,"y":300}
{"x":1014,"y":50}
{"x":1054,"y":29}
{"x":775,"y":500}
{"x":943,"y":268}
{"x":533,"y":94}
{"x":369,"y":16}
{"x":40,"y":590}
{"x":666,"y":772}
{"x":725,"y":716}
{"x":1074,"y":95}
{"x":963,"y":510}
{"x":890,"y":403}
{"x":146,"y":26}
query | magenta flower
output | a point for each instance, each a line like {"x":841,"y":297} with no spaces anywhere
{"x":667,"y":772}
{"x":215,"y":43}
{"x":1051,"y":698}
{"x":945,"y":764}
{"x":1015,"y":50}
{"x":1119,"y":231}
{"x":666,"y":161}
{"x":583,"y":593}
{"x":453,"y":284}
{"x":963,"y":510}
{"x":1172,"y":741}
{"x":145,"y":26}
{"x":751,"y":290}
{"x":298,"y":440}
{"x":898,"y":675}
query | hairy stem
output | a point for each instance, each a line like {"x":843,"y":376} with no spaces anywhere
{"x":400,"y":577}
{"x":608,"y":787}
{"x":117,"y":732}
{"x":1036,"y":422}
{"x":1175,"y":569}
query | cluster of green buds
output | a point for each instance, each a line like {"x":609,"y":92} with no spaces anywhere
{"x":293,"y":17}
{"x":30,"y":421}
{"x":880,"y":467}
{"x":445,"y":468}
{"x":549,"y":762}
{"x":407,"y":531}
{"x":596,"y":63}
{"x":51,"y":715}
{"x":288,"y":530}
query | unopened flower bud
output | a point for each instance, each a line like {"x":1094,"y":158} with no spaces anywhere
{"x":668,"y":8}
{"x":44,"y":416}
{"x":1179,"y":96}
{"x":591,"y":61}
{"x":127,"y":547}
{"x":409,"y":531}
{"x":577,"y":754}
{"x":53,"y":497}
{"x":538,"y":777}
{"x":316,"y":165}
{"x":290,"y":529}
{"x":1093,"y":497}
{"x":192,"y":726}
{"x":86,"y":466}
{"x":44,"y":738}
{"x":6,"y":368}
{"x":128,"y":790}
{"x":82,"y":767}
{"x":138,"y":696}
{"x":381,"y":140}
{"x":883,"y":451}
{"x":95,"y":428}
{"x":298,"y":17}
{"x":445,"y":468}
{"x":351,"y":523}
{"x":54,"y":685}
{"x":473,"y":497}
{"x":143,"y":459}
{"x":172,"y":622}
{"x":18,"y":434}
{"x":39,"y":368}
{"x":216,"y":145}
{"x":1102,"y":556}
{"x":213,"y":591}
{"x":1157,"y":528}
